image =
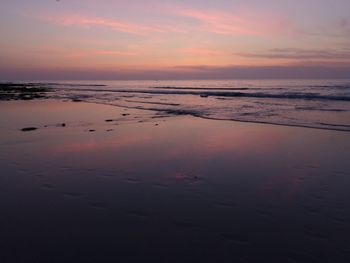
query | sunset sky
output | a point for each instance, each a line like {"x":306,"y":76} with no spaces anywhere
{"x":112,"y":39}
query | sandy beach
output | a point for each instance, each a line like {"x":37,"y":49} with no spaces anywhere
{"x":174,"y":131}
{"x":99,"y":183}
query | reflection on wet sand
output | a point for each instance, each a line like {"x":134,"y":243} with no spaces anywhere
{"x":186,"y":190}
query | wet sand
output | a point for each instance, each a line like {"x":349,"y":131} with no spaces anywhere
{"x":124,"y":185}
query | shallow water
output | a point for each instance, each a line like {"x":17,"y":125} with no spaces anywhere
{"x":171,"y":189}
{"x":321,"y":104}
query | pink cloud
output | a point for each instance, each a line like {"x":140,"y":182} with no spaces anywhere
{"x":114,"y":24}
{"x":50,"y":51}
{"x":240,"y":23}
{"x":112,"y":53}
{"x":202,"y":52}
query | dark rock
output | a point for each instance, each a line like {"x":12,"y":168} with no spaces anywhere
{"x":109,"y":120}
{"x":22,"y":91}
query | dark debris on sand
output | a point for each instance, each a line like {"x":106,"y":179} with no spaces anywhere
{"x":27,"y":129}
{"x":23,"y":91}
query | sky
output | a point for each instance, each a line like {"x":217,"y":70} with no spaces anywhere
{"x":160,"y":39}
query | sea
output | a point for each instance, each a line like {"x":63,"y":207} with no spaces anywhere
{"x":323,"y":104}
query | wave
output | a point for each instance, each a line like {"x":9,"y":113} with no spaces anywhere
{"x":153,"y":102}
{"x":191,"y":88}
{"x":345,"y":87}
{"x":285,"y":95}
{"x":76,"y":85}
{"x":335,"y":125}
{"x":53,"y":84}
{"x":311,"y":108}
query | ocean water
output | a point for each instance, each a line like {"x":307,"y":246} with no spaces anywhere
{"x":321,"y":104}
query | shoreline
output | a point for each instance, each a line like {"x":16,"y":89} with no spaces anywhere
{"x":326,"y":114}
{"x":171,"y":114}
{"x":167,"y":114}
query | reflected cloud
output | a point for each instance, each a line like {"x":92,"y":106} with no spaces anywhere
{"x":97,"y":145}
